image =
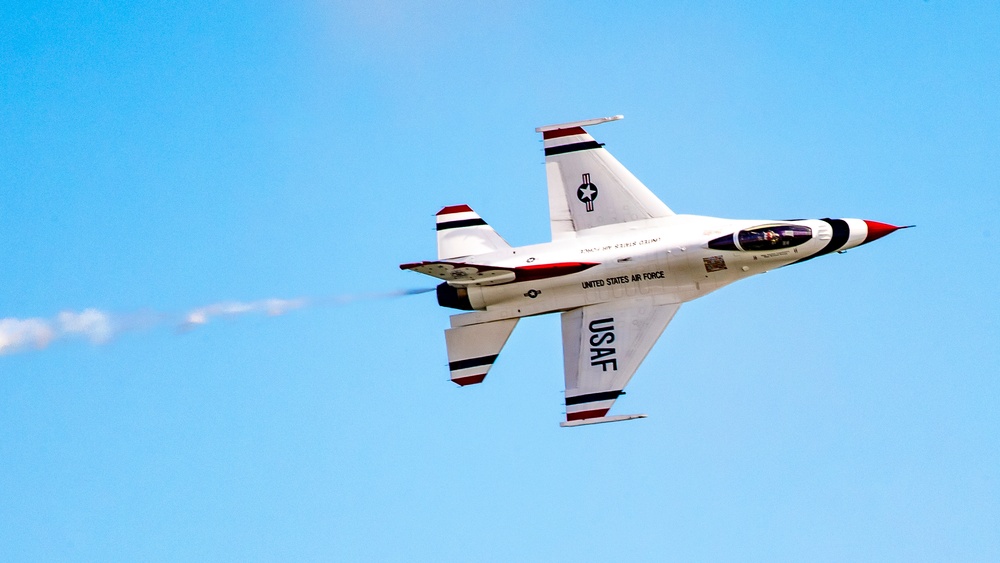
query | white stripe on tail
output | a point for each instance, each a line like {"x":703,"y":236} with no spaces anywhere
{"x":462,"y":232}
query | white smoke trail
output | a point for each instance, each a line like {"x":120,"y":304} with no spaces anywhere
{"x":20,"y":334}
{"x":273,"y":307}
{"x":100,"y":327}
{"x":17,"y":335}
{"x":92,"y":324}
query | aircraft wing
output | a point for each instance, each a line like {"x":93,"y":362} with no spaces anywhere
{"x":603,"y":345}
{"x":588,"y":187}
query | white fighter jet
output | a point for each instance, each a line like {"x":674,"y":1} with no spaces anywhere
{"x":619,"y":266}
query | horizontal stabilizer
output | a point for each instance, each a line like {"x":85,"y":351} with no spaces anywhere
{"x":600,"y":420}
{"x":473,"y":349}
{"x":459,"y":274}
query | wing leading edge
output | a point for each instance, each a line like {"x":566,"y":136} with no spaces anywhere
{"x":603,"y":345}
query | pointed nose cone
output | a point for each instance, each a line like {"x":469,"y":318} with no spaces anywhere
{"x":878,"y":230}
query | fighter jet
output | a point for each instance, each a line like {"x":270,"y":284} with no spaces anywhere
{"x":618,"y":268}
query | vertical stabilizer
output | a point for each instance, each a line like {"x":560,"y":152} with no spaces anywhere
{"x":462,"y":232}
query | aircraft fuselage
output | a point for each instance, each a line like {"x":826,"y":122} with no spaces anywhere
{"x":668,"y":259}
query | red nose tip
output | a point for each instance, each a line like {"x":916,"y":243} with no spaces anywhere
{"x":878,"y":230}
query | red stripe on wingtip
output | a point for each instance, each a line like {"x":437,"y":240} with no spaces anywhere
{"x":598,"y":413}
{"x":563,"y":133}
{"x":470,"y":379}
{"x":454,"y":209}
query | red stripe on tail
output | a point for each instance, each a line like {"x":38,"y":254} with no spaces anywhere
{"x":470,"y":379}
{"x":563,"y":133}
{"x":454,"y":209}
{"x":570,"y":416}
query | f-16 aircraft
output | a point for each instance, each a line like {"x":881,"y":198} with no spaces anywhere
{"x":618,"y":268}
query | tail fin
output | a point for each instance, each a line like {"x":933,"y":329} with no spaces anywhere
{"x":462,"y":232}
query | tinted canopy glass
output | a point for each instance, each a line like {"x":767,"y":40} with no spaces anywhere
{"x":773,"y":237}
{"x":723,"y":243}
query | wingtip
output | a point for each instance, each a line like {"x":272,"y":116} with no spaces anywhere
{"x":582,"y":123}
{"x":600,"y":420}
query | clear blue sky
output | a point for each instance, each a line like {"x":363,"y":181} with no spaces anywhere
{"x":157,"y":157}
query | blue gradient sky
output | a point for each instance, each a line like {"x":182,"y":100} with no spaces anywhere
{"x":162,"y":156}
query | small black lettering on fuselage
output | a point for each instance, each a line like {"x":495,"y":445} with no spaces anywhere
{"x":621,"y":280}
{"x":602,"y":333}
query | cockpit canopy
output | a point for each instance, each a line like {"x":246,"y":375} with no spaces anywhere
{"x":765,"y":237}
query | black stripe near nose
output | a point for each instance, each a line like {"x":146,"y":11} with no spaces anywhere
{"x":841,"y":232}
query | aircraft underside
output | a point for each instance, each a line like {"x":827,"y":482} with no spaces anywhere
{"x":617,"y":270}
